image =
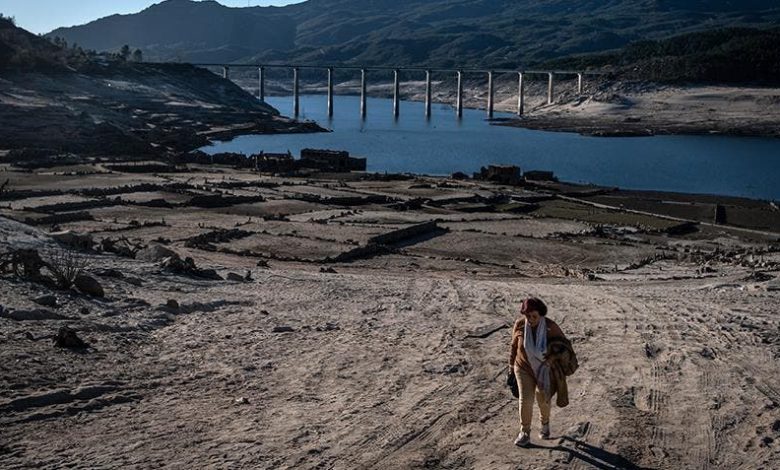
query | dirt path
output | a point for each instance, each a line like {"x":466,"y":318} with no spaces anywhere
{"x":378,"y":373}
{"x":394,"y":360}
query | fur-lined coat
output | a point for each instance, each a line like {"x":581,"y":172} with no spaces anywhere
{"x":560,"y":357}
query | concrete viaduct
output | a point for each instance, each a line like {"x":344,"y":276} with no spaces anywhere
{"x":459,"y":74}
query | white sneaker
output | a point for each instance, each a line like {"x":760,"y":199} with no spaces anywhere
{"x":545,"y":432}
{"x":522,"y":439}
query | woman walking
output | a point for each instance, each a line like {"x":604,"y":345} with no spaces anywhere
{"x":530,"y":336}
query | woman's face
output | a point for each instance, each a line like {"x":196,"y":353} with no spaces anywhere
{"x":532,"y":317}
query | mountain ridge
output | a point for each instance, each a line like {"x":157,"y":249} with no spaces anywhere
{"x":414,"y":32}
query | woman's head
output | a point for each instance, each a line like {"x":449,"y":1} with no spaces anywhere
{"x":533,"y":309}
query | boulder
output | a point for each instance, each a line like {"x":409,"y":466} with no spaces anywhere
{"x":67,"y":338}
{"x":71,"y":239}
{"x":155,"y":253}
{"x":32,"y":315}
{"x":134,"y":281}
{"x":282,"y":329}
{"x":121,"y":247}
{"x":208,"y":274}
{"x":89,"y":285}
{"x":235,"y":277}
{"x":187,"y":266}
{"x":47,"y":301}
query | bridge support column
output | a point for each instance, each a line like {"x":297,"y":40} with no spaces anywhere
{"x":226,"y":72}
{"x":396,"y":94}
{"x":579,"y":83}
{"x":330,"y":92}
{"x":490,"y":96}
{"x":261,"y":83}
{"x":296,"y":95}
{"x":550,"y":87}
{"x":520,"y":94}
{"x":363,"y":100}
{"x":459,"y":102}
{"x":428,"y":96}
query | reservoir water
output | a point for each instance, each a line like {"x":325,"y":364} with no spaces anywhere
{"x":734,"y":166}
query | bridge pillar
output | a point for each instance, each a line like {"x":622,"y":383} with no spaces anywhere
{"x":490,"y":96}
{"x":396,"y":94}
{"x":330,"y":92}
{"x":363,"y":100}
{"x":520,"y":94}
{"x":428,"y":96}
{"x":296,"y":96}
{"x":459,"y":102}
{"x":226,"y":72}
{"x":579,"y":83}
{"x":261,"y":83}
{"x":550,"y":87}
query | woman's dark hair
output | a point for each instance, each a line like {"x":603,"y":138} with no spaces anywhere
{"x":532,"y":303}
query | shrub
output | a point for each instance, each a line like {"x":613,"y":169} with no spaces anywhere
{"x":65,"y":265}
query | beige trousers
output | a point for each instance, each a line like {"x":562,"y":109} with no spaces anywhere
{"x":526,"y":383}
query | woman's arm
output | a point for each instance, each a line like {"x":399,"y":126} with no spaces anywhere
{"x":516,"y":334}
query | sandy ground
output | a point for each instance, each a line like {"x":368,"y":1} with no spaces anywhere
{"x":648,"y":110}
{"x":379,"y":363}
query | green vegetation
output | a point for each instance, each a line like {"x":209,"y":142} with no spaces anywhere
{"x":731,"y":55}
{"x":24,"y":51}
{"x":439,"y":33}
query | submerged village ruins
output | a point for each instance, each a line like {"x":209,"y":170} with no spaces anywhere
{"x":230,"y":316}
{"x":162,"y":307}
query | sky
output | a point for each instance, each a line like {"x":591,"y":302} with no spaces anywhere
{"x":42,"y":16}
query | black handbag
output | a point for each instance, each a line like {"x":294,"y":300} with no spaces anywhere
{"x":511,"y":382}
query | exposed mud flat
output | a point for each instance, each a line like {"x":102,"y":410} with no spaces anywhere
{"x":627,"y":109}
{"x":345,"y":333}
{"x":604,"y":108}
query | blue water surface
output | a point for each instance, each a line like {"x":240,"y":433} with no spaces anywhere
{"x":441,"y":145}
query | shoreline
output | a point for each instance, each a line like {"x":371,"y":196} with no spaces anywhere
{"x":606,"y":109}
{"x":736,"y":212}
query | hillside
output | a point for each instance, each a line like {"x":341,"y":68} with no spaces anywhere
{"x":723,"y":56}
{"x":99,"y":105}
{"x":181,"y":30}
{"x":20,"y":49}
{"x":435,"y":32}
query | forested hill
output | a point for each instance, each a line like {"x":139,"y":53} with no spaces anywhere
{"x":731,"y":55}
{"x":436,"y":32}
{"x":20,"y":49}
